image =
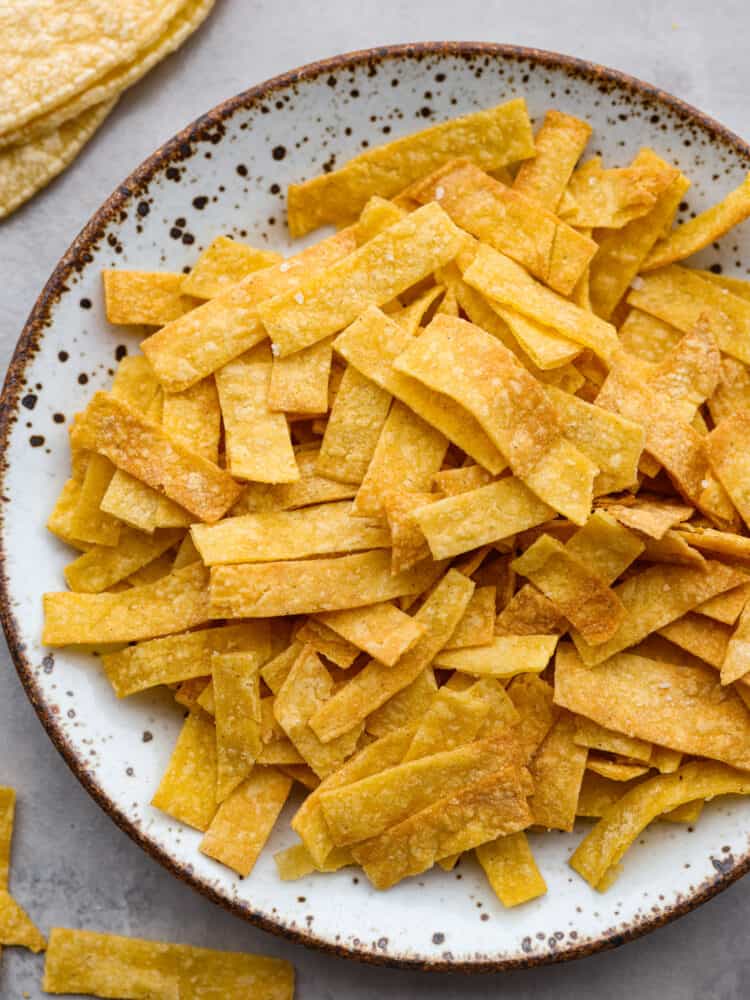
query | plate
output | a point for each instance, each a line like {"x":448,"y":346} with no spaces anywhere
{"x":227,"y":173}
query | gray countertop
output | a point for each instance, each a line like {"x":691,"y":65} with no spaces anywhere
{"x":71,"y":865}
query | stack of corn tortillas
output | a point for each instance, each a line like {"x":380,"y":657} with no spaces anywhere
{"x":64,"y":65}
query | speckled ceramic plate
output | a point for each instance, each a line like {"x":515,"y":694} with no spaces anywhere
{"x":227,"y":173}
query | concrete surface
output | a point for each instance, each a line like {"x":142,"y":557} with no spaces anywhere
{"x":71,"y":865}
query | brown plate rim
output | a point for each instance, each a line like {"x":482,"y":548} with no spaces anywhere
{"x":76,"y":257}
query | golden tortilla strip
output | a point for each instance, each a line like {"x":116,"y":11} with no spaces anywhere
{"x":61,"y":519}
{"x":493,"y":138}
{"x":726,"y":607}
{"x":547,"y":350}
{"x":501,"y":280}
{"x":405,"y":708}
{"x":590,"y":734}
{"x":187,"y":790}
{"x":530,"y":613}
{"x":509,"y":221}
{"x":110,"y":966}
{"x":105,"y":565}
{"x":724,"y":446}
{"x":354,"y":427}
{"x":477,"y":627}
{"x":733,"y":391}
{"x":697,"y":233}
{"x":326,"y":642}
{"x":647,"y":337}
{"x":510,"y":867}
{"x":453,"y":719}
{"x":172,"y":604}
{"x":288,"y":534}
{"x":736,"y":662}
{"x":689,"y":374}
{"x":381,"y":630}
{"x":237,"y":712}
{"x":681,"y":297}
{"x":296,"y":862}
{"x":557,"y":772}
{"x":410,"y":318}
{"x":374,"y":274}
{"x":451,"y":482}
{"x":610,"y":199}
{"x":224,"y":263}
{"x":651,"y":516}
{"x":616,"y":770}
{"x":299,"y":383}
{"x":16,"y":927}
{"x":598,"y":794}
{"x":308,"y":687}
{"x":193,"y":418}
{"x":665,"y":760}
{"x":700,"y":636}
{"x":737,"y":286}
{"x":408,"y":544}
{"x":7,"y":813}
{"x":533,"y":700}
{"x":150,"y":298}
{"x":376,"y":215}
{"x":372,"y":344}
{"x":682,"y":707}
{"x":376,"y":683}
{"x":88,"y":522}
{"x":307,"y":586}
{"x":142,"y":448}
{"x":189,"y":691}
{"x":310,"y":488}
{"x":604,"y":546}
{"x":506,"y":656}
{"x":258,"y":443}
{"x":559,"y":144}
{"x":622,"y":251}
{"x":602,"y":849}
{"x":177,"y":658}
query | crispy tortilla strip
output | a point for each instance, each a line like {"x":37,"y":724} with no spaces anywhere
{"x":302,"y":774}
{"x":683,"y":707}
{"x":151,"y":298}
{"x":377,"y":214}
{"x":700,"y":636}
{"x":603,"y":848}
{"x":647,"y":337}
{"x":299,"y":383}
{"x":61,"y":519}
{"x":736,"y":662}
{"x":193,"y":418}
{"x":595,"y":737}
{"x":308,"y":586}
{"x":665,"y":760}
{"x":510,"y":867}
{"x":575,"y":589}
{"x":206,"y":339}
{"x":688,"y":813}
{"x":408,"y":544}
{"x":288,"y":534}
{"x":681,"y":296}
{"x":257,"y":439}
{"x":381,"y":630}
{"x":7,"y":813}
{"x":412,"y":316}
{"x":142,"y":448}
{"x":106,"y":965}
{"x":477,"y":627}
{"x":557,"y":771}
{"x":604,"y":546}
{"x":451,"y":482}
{"x":177,"y":658}
{"x":656,"y":597}
{"x":509,"y":221}
{"x":723,"y":543}
{"x":408,"y":453}
{"x":374,"y":685}
{"x":652,"y":517}
{"x":737,"y":286}
{"x":104,"y":565}
{"x":559,"y":144}
{"x":453,"y":719}
{"x":372,"y":275}
{"x":733,"y":391}
{"x":622,"y":251}
{"x":310,"y":488}
{"x":502,"y":280}
{"x":507,"y":656}
{"x":616,"y":770}
{"x":306,"y":689}
{"x":726,"y":607}
{"x":88,"y":523}
{"x":189,"y":691}
{"x":244,"y":822}
{"x":406,"y":708}
{"x":532,"y":698}
{"x":372,"y":344}
{"x":188,"y":788}
{"x":186,"y":553}
{"x":236,"y":691}
{"x":530,"y":613}
{"x":16,"y":927}
{"x":724,"y":446}
{"x":697,"y":233}
{"x":492,"y":138}
{"x":610,"y":199}
{"x":354,"y":427}
{"x":296,"y":862}
{"x":547,"y":349}
{"x":690,"y":372}
{"x":473,"y":368}
{"x":172,"y":604}
{"x":598,"y":794}
{"x":326,"y":642}
{"x":224,"y":263}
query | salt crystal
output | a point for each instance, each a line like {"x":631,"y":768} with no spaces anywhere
{"x":299,"y":298}
{"x":637,"y":283}
{"x":439,"y":192}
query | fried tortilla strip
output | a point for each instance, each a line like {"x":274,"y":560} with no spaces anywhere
{"x":206,"y":339}
{"x":257,"y":439}
{"x":652,"y":516}
{"x":697,"y":233}
{"x":177,"y":658}
{"x":408,"y":544}
{"x":326,"y":642}
{"x":616,"y":770}
{"x":106,"y":965}
{"x":598,"y":794}
{"x":453,"y":719}
{"x":172,"y":604}
{"x":656,"y":597}
{"x":511,"y":222}
{"x":299,"y":383}
{"x":377,"y":214}
{"x":310,"y":488}
{"x":193,"y":418}
{"x":557,"y":771}
{"x":689,"y":374}
{"x":374,"y":274}
{"x":88,"y":522}
{"x":726,"y":607}
{"x":406,"y":708}
{"x":381,"y":630}
{"x":142,"y":449}
{"x":532,"y":699}
{"x":733,"y":391}
{"x":477,"y":627}
{"x":729,"y":461}
{"x":60,"y":521}
{"x":682,"y":707}
{"x":604,"y":546}
{"x":296,"y":862}
{"x":151,"y":298}
{"x":530,"y":613}
{"x":7,"y":813}
{"x":188,"y":789}
{"x":681,"y":297}
{"x":16,"y":927}
{"x":236,"y":691}
{"x":288,"y":534}
{"x":354,"y":427}
{"x":372,"y":344}
{"x":105,"y":565}
{"x":610,"y":199}
{"x":376,"y":683}
{"x":647,"y":337}
{"x":307,"y":688}
{"x":736,"y":662}
{"x":451,"y":482}
{"x":408,"y":453}
{"x":510,"y":866}
{"x":465,"y":522}
{"x":492,"y":138}
{"x":547,"y":349}
{"x":700,"y":636}
{"x":506,"y":656}
{"x":603,"y":848}
{"x":595,"y":737}
{"x":559,"y":144}
{"x":307,"y":586}
{"x":224,"y":263}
